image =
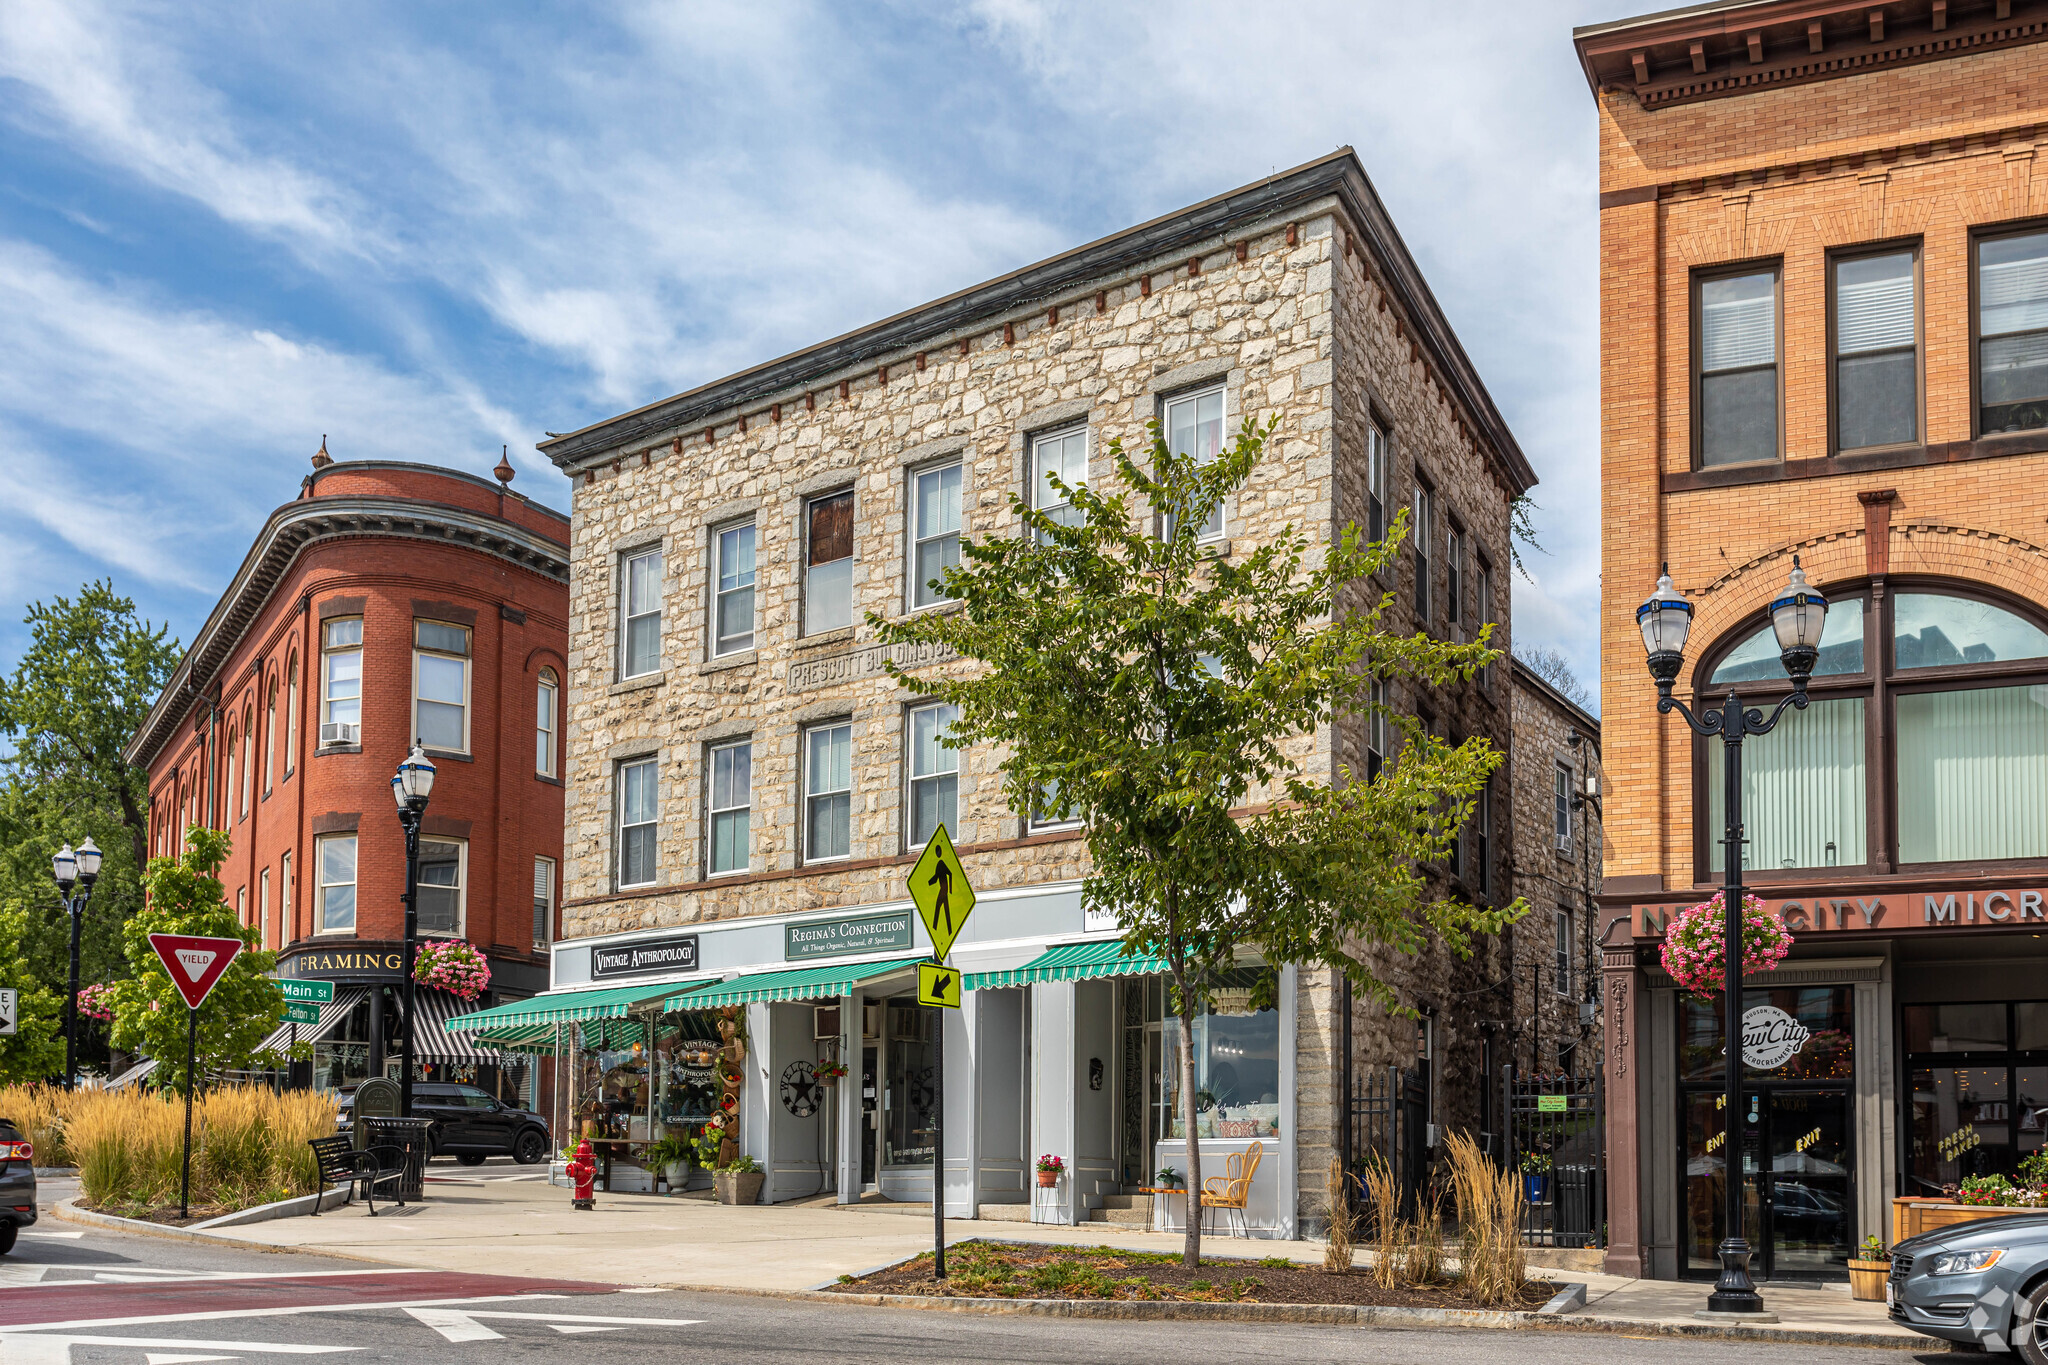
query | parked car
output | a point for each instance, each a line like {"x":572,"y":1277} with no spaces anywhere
{"x":1982,"y":1282}
{"x":17,"y":1184}
{"x":469,"y":1124}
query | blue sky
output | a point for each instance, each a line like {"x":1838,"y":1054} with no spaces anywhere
{"x":429,"y":231}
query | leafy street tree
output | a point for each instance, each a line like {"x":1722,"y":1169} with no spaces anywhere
{"x":35,"y":1050}
{"x":186,"y":897}
{"x":1171,"y":700}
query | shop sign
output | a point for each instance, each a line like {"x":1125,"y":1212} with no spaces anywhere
{"x":1886,"y":913}
{"x":1553,"y":1104}
{"x":1771,"y":1037}
{"x":865,"y":662}
{"x":677,"y":954}
{"x":345,"y":964}
{"x":843,"y":937}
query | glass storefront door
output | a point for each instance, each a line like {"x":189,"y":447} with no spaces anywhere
{"x":1796,"y":1158}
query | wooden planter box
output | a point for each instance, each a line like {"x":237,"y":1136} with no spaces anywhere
{"x":1866,"y":1280}
{"x":1911,"y":1217}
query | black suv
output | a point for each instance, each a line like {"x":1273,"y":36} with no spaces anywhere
{"x":17,"y":1184}
{"x":469,"y":1125}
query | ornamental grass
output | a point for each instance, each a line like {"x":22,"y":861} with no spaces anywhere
{"x":248,"y":1146}
{"x":38,"y":1111}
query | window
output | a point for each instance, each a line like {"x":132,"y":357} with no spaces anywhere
{"x":1482,"y":842}
{"x":1561,"y":953}
{"x":232,"y":772}
{"x":1958,"y":746}
{"x":337,"y":907}
{"x":732,"y":800}
{"x":1050,"y":811}
{"x":1877,"y":352}
{"x":547,"y":696}
{"x":1379,"y":732}
{"x":263,"y":908}
{"x":934,"y":773}
{"x":1061,"y":455}
{"x":640,"y":610}
{"x":1454,"y":576}
{"x":543,"y":902}
{"x":441,"y":886}
{"x":636,"y":823}
{"x":935,"y":539}
{"x":1424,"y":518}
{"x":909,"y":1105}
{"x":341,"y":659}
{"x":287,"y":900}
{"x":732,"y":577}
{"x":1485,"y":604}
{"x":440,"y":664}
{"x":291,"y":717}
{"x":270,"y":739}
{"x":248,"y":761}
{"x":1974,"y":1068}
{"x":828,"y":792}
{"x":1561,"y":807}
{"x":828,"y":563}
{"x":2012,"y":333}
{"x":242,"y":905}
{"x":1735,"y":388}
{"x":1236,"y":1045}
{"x":1379,"y":452}
{"x":1194,"y":426}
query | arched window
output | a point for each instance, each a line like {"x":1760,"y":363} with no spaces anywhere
{"x":248,"y":757}
{"x":270,"y":738}
{"x":228,"y":805}
{"x":291,"y":715}
{"x":1926,"y":741}
{"x":546,"y":714}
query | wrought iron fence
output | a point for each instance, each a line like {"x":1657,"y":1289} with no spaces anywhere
{"x":1555,"y":1135}
{"x":1388,"y":1116}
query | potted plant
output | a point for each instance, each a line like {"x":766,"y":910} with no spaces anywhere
{"x":1049,"y":1168}
{"x":1169,"y":1179}
{"x":1536,"y":1177}
{"x":673,"y":1153}
{"x":739,"y":1182}
{"x":1868,"y":1269}
{"x":828,"y":1070}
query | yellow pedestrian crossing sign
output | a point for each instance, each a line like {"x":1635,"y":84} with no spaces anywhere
{"x":938,"y":886}
{"x":938,"y":984}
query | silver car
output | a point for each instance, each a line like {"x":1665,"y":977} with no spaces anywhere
{"x":1983,"y":1282}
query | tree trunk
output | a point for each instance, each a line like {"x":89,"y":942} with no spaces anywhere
{"x":1191,"y":1253}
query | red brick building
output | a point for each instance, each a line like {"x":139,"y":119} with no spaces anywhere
{"x":387,"y":601}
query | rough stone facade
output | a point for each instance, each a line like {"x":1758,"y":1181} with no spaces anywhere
{"x":1287,"y":306}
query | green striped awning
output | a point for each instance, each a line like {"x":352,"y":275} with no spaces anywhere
{"x":549,"y":1007}
{"x":543,"y":1039}
{"x":1068,"y":962}
{"x":804,"y":983}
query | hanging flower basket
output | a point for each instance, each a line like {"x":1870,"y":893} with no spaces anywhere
{"x":1693,"y":944}
{"x":96,"y":1002}
{"x":453,"y":965}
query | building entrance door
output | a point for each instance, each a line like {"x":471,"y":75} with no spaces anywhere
{"x":1796,"y":1159}
{"x":870,"y":1114}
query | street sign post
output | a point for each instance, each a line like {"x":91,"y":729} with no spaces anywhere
{"x":944,"y":899}
{"x":8,"y":1005}
{"x":195,"y":964}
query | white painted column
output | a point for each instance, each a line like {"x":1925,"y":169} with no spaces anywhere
{"x":757,"y":1092}
{"x":847,"y":1110}
{"x":1053,"y":1084}
{"x":962,"y":1116}
{"x":1289,"y":1153}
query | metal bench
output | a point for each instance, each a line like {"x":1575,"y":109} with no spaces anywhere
{"x":363,"y":1170}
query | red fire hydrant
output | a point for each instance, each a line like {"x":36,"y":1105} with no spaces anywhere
{"x":583,"y":1171}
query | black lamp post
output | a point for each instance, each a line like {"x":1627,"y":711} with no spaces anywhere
{"x":410,"y":786}
{"x":1798,"y":614}
{"x":81,"y":869}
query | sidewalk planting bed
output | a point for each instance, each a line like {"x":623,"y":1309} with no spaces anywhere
{"x":991,"y":1270}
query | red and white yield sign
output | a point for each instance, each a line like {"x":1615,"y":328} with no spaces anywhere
{"x":195,"y":963}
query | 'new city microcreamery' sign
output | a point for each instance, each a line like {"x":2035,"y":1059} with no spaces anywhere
{"x":1889,"y":912}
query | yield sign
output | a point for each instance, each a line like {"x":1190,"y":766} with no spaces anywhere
{"x":195,"y":963}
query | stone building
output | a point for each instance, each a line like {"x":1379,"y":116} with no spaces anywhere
{"x":1555,"y":832}
{"x":1824,"y":341}
{"x":748,"y":789}
{"x":387,"y":602}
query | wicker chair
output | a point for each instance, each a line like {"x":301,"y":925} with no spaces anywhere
{"x":1233,"y":1189}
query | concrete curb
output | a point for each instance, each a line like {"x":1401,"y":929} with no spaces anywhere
{"x":299,"y":1206}
{"x":68,"y":1211}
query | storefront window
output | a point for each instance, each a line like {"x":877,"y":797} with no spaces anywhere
{"x":1980,"y":1092}
{"x":1236,"y":1061}
{"x":908,"y":1102}
{"x":1828,"y":1052}
{"x":686,"y":1085}
{"x":611,"y":1083}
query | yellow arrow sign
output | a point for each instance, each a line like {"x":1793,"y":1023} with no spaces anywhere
{"x":938,"y":984}
{"x":938,"y":886}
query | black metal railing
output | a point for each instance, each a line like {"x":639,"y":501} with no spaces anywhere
{"x":1555,"y":1136}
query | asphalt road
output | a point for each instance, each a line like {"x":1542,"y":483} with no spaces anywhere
{"x":72,"y":1296}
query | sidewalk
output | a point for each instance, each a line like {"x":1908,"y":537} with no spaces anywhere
{"x":527,"y":1228}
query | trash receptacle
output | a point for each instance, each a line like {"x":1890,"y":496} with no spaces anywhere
{"x":409,"y":1136}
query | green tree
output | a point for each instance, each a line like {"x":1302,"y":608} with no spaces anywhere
{"x":186,"y":897}
{"x":1171,"y":700}
{"x":35,"y":1050}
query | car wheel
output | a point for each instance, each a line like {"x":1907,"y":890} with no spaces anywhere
{"x":2030,"y":1326}
{"x":471,"y":1158}
{"x":531,"y":1148}
{"x":8,"y":1232}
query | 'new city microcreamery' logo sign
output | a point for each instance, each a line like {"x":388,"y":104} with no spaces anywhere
{"x":654,"y":955}
{"x":1888,"y":913}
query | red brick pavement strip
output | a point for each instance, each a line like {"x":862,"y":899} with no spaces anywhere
{"x":101,"y":1303}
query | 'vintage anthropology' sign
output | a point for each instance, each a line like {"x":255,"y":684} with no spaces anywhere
{"x":654,"y":955}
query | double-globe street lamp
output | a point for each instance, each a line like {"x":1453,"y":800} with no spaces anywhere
{"x":80,"y":869}
{"x":1797,"y":614}
{"x":411,"y":785}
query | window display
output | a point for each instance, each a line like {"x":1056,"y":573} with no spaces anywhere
{"x":1236,"y":1061}
{"x":908,"y":1101}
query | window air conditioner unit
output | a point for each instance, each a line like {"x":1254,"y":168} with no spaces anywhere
{"x":870,"y":1021}
{"x":336,"y":732}
{"x":825,"y":1023}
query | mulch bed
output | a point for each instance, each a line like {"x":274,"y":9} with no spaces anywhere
{"x":167,"y":1214}
{"x":986,"y":1270}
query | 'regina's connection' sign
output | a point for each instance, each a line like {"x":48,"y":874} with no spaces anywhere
{"x":1771,"y":1037}
{"x":655,"y":955}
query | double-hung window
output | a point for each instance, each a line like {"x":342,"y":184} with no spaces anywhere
{"x":1454,"y":577}
{"x":640,"y":613}
{"x":1379,"y":732}
{"x":248,"y":760}
{"x":1561,"y":953}
{"x":341,"y":665}
{"x":1484,"y":590}
{"x":336,"y":911}
{"x":228,"y":803}
{"x":935,"y":531}
{"x":637,"y":822}
{"x":732,"y":801}
{"x":263,"y":938}
{"x":1561,"y":807}
{"x":546,"y":710}
{"x":1061,"y":455}
{"x":1482,"y":842}
{"x":1194,"y":426}
{"x":828,"y":562}
{"x":2012,"y":333}
{"x":441,"y":685}
{"x":1877,"y":352}
{"x":732,"y":588}
{"x":543,"y":902}
{"x":1379,"y":451}
{"x":441,"y":886}
{"x":1419,"y":534}
{"x":291,"y":716}
{"x":934,"y":772}
{"x":828,"y":792}
{"x":270,"y":738}
{"x":1735,"y":389}
{"x":287,"y":900}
